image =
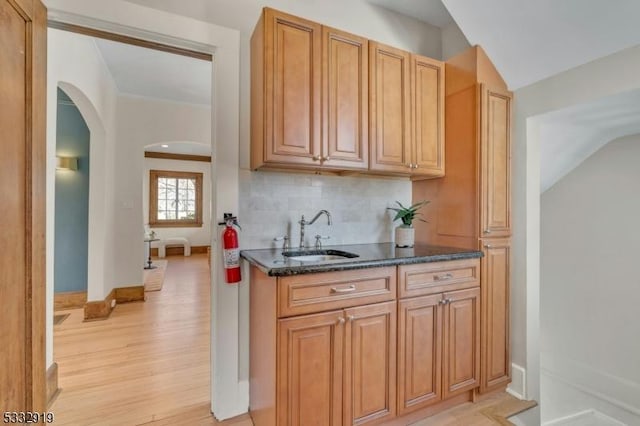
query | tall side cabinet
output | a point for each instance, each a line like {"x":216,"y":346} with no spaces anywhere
{"x":471,"y":206}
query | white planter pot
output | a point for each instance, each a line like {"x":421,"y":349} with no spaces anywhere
{"x":405,"y":236}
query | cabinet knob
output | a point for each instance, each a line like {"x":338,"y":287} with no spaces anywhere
{"x":487,"y":246}
{"x":410,"y":165}
{"x":487,"y":231}
{"x":317,"y":158}
{"x":326,"y":158}
{"x":351,"y":318}
{"x":341,"y":320}
{"x":415,"y":166}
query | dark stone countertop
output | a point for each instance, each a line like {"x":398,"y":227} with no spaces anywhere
{"x":273,"y":263}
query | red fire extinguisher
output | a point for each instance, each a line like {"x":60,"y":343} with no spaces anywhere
{"x":231,"y":252}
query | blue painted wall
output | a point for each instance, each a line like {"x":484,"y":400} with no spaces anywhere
{"x":72,"y":200}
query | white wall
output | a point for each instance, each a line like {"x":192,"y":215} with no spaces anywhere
{"x":75,"y":65}
{"x":453,"y":41}
{"x":142,"y":122}
{"x":198,"y":236}
{"x":272,"y":204}
{"x":611,"y":75}
{"x":589,"y":290}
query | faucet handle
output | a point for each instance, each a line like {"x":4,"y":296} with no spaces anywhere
{"x":319,"y":242}
{"x":285,"y":244}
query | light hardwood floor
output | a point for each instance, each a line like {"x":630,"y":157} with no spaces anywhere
{"x":148,"y":364}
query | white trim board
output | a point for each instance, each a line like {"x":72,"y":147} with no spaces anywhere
{"x":518,"y":385}
{"x":587,"y":418}
{"x":617,"y":391}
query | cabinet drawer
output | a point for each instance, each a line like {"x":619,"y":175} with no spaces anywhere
{"x":430,"y":278}
{"x":303,"y":294}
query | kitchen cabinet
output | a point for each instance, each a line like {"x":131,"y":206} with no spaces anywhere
{"x":335,"y":357}
{"x":438,"y":335}
{"x":322,"y":354}
{"x":471,"y":205}
{"x":495,"y":149}
{"x":285,"y":90}
{"x":345,"y":97}
{"x":406,"y":112}
{"x":427,"y":109}
{"x":309,"y":96}
{"x":323,"y":99}
{"x":496,"y":360}
{"x":310,"y":369}
{"x":390,"y":109}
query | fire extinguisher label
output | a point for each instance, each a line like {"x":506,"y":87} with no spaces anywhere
{"x":231,"y":258}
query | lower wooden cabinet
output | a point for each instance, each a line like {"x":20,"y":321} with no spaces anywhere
{"x":438,"y":347}
{"x":324,"y":357}
{"x":496,"y":270}
{"x":337,"y":367}
{"x":310,"y":369}
{"x":461,"y":359}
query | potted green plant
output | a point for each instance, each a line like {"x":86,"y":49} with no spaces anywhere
{"x":405,"y":233}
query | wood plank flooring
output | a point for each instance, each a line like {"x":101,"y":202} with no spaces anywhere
{"x":148,"y":364}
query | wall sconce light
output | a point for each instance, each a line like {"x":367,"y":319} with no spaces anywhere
{"x":66,"y":163}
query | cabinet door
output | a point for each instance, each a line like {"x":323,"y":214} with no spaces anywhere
{"x":370,"y":364}
{"x":496,"y":163}
{"x":389,"y":109}
{"x":345,"y":91}
{"x":495,"y":273}
{"x":310,"y":360}
{"x":427,"y":95}
{"x":292,"y":49}
{"x":419,"y":352}
{"x":461,"y":356}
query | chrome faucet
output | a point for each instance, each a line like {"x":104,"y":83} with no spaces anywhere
{"x":303,"y":222}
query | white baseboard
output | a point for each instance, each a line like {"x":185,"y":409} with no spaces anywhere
{"x":591,"y":417}
{"x":617,"y":391}
{"x":518,"y":385}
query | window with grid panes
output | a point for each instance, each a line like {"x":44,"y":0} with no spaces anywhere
{"x":175,"y":199}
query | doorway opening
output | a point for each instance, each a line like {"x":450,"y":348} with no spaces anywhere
{"x":133,"y":358}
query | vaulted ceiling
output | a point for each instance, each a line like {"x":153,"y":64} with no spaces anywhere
{"x":532,"y":40}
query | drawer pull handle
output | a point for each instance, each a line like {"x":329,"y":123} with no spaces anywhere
{"x":443,"y":277}
{"x":349,"y":289}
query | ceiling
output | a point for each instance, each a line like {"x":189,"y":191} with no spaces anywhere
{"x":432,"y":12}
{"x":154,"y":74}
{"x":569,"y":136}
{"x":531,"y":40}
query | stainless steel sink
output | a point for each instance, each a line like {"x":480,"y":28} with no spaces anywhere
{"x":319,"y":255}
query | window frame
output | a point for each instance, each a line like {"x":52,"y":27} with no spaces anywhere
{"x":154,"y":222}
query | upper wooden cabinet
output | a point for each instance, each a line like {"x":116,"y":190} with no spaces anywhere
{"x":309,"y":98}
{"x":473,"y":200}
{"x":495,"y":212}
{"x":390,"y":109}
{"x":406,"y":112}
{"x":324,"y":99}
{"x":285,"y":92}
{"x":345,"y":100}
{"x":427,"y":107}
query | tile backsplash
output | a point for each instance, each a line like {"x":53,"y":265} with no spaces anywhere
{"x":272,"y":203}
